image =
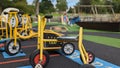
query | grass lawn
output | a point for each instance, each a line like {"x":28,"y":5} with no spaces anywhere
{"x":114,"y":42}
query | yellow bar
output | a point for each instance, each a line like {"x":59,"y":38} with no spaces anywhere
{"x":85,"y":53}
{"x":6,"y":30}
{"x":81,"y":49}
{"x":51,"y":48}
{"x":19,"y":28}
{"x":41,"y":40}
{"x":2,"y":28}
{"x":15,"y":36}
{"x":50,"y":31}
{"x":27,"y":37}
{"x":38,"y":47}
{"x":50,"y":40}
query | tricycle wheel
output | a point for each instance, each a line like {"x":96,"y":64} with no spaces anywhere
{"x":12,"y":49}
{"x":87,"y":66}
{"x":91,"y":57}
{"x":38,"y":66}
{"x":35,"y":58}
{"x":68,"y":48}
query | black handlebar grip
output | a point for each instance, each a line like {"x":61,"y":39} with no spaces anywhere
{"x":21,"y":12}
{"x":5,"y":13}
{"x":48,"y":16}
{"x":29,"y":14}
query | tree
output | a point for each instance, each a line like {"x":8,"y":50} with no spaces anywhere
{"x":37,"y":4}
{"x":4,"y":4}
{"x":116,"y":5}
{"x":85,"y":2}
{"x":61,"y":5}
{"x":98,"y":2}
{"x":46,"y":7}
{"x":71,"y":10}
{"x":20,"y":4}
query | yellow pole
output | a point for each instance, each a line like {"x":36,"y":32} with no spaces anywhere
{"x":15,"y":36}
{"x":42,"y":37}
{"x":10,"y":25}
{"x":15,"y":29}
{"x":80,"y":46}
{"x":38,"y":47}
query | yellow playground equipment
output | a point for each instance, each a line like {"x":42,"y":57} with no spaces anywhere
{"x":20,"y":27}
{"x":17,"y":27}
{"x":40,"y":56}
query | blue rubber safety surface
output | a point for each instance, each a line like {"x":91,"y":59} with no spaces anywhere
{"x":29,"y":66}
{"x":3,"y":40}
{"x":5,"y":55}
{"x":98,"y":63}
{"x":2,"y":48}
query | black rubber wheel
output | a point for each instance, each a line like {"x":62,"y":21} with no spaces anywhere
{"x":91,"y":57}
{"x":11,"y":49}
{"x":68,"y":48}
{"x":87,"y":66}
{"x":34,"y":58}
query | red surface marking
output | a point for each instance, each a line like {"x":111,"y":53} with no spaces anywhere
{"x":28,"y":46}
{"x":52,"y":55}
{"x":14,"y":61}
{"x":2,"y":45}
{"x":21,"y":60}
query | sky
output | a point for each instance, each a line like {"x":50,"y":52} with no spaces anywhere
{"x":70,"y":3}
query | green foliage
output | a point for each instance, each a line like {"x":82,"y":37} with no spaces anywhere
{"x":46,"y":7}
{"x":116,"y":4}
{"x":61,"y":5}
{"x":85,"y":2}
{"x":98,"y":2}
{"x":20,"y":4}
{"x":71,"y":10}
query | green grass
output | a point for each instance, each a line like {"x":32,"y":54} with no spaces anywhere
{"x":114,"y":42}
{"x":54,"y":23}
{"x":34,"y":24}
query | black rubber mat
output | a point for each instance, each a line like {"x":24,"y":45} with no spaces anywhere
{"x":62,"y":62}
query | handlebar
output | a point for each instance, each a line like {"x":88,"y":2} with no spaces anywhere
{"x":5,"y":13}
{"x":48,"y":16}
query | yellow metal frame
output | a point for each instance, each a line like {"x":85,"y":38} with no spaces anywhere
{"x":82,"y":50}
{"x":15,"y":31}
{"x":41,"y":40}
{"x":40,"y":35}
{"x":3,"y":27}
